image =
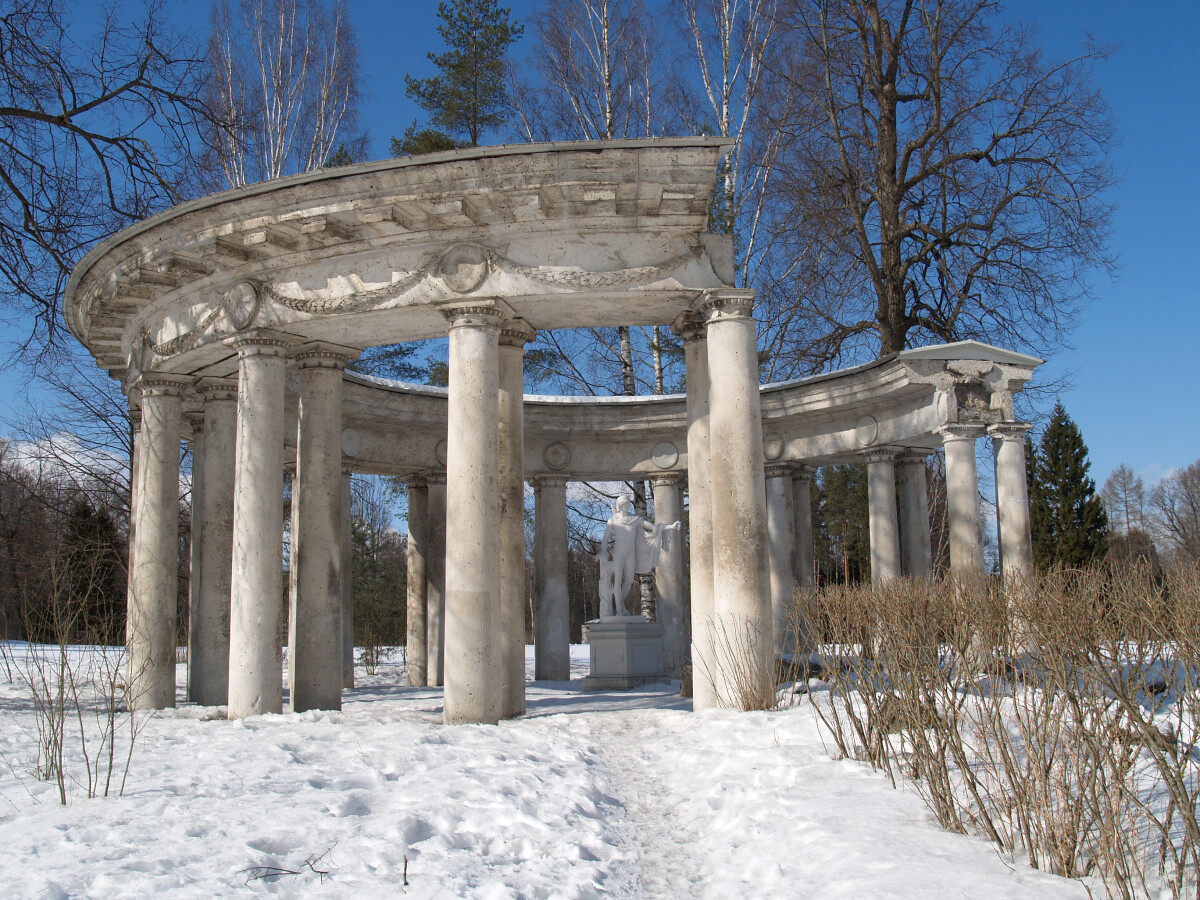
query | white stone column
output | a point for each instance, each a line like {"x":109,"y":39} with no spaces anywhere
{"x":152,"y":620}
{"x":741,"y":580}
{"x":513,"y":337}
{"x":195,"y":422}
{"x":552,"y":606}
{"x":435,"y":592}
{"x":693,"y":329}
{"x":781,"y":548}
{"x":316,"y":655}
{"x":418,"y":592}
{"x":347,"y":541}
{"x":208,"y":657}
{"x":256,"y":593}
{"x":916,"y":554}
{"x":473,"y":518}
{"x":884,"y":524}
{"x":668,"y":575}
{"x":1012,"y":500}
{"x":962,"y":500}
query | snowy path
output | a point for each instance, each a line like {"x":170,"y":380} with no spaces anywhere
{"x":633,"y":765}
{"x":588,"y":797}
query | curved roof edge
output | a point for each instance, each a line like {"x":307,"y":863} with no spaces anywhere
{"x":333,"y":173}
{"x":972,"y":350}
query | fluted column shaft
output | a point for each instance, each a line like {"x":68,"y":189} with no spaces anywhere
{"x":418,"y":589}
{"x":435,"y":592}
{"x":472,"y":515}
{"x":962,"y":500}
{"x":781,"y":547}
{"x":916,"y":554}
{"x":668,"y":575}
{"x":315,"y":661}
{"x":256,"y":594}
{"x":208,"y":657}
{"x":741,"y":580}
{"x":884,"y":524}
{"x":552,"y":618}
{"x":1012,"y":500}
{"x":152,"y":625}
{"x":700,"y":524}
{"x":513,"y":338}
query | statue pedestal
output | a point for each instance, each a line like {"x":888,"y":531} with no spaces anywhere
{"x":626,"y":652}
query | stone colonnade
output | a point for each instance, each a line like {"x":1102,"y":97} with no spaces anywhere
{"x":750,"y":526}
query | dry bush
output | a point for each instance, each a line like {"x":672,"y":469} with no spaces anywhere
{"x":739,"y":664}
{"x":1056,"y":717}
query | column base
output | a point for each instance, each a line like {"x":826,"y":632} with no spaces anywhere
{"x":625,"y":652}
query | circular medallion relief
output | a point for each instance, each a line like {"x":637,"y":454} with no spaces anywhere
{"x":464,"y":267}
{"x":664,"y":454}
{"x":867,"y":431}
{"x":241,"y":304}
{"x":557,"y":455}
{"x":439,"y":452}
{"x":773,"y":446}
{"x":351,"y":442}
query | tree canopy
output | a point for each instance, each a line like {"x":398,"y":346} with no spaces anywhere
{"x":1067,"y":518}
{"x":469,"y":95}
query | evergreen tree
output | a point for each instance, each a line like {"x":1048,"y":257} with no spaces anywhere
{"x":417,"y":141}
{"x":1066,"y":516}
{"x":469,"y":95}
{"x":840,"y":515}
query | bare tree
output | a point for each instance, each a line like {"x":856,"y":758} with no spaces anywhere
{"x":97,"y":125}
{"x":283,"y":79}
{"x":1124,"y":496}
{"x":595,"y":59}
{"x":942,"y":180}
{"x":729,"y":39}
{"x":1175,"y":511}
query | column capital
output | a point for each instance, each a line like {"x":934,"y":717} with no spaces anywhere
{"x":516,"y":333}
{"x":217,"y":389}
{"x":690,"y":326}
{"x":540,"y":481}
{"x":161,"y":384}
{"x":263,"y":342}
{"x":324,"y":355}
{"x":879,"y":455}
{"x":778,"y":470}
{"x":482,"y":313}
{"x":719,"y":304}
{"x":803,"y":471}
{"x":432,"y":478}
{"x":909,"y":456}
{"x":667,"y":478}
{"x":195,"y":421}
{"x":416,"y":480}
{"x":1009,"y":431}
{"x":960,"y":432}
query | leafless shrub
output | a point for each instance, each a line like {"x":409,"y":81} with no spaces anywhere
{"x":1056,"y":717}
{"x":738,"y":664}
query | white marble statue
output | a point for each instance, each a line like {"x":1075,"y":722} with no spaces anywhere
{"x":631,"y":546}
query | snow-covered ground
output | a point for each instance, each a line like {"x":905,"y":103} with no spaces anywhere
{"x":590,"y":795}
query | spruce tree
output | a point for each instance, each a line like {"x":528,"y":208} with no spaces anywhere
{"x":1067,"y":519}
{"x":469,"y":95}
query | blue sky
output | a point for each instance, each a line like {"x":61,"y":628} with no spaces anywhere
{"x":1134,"y":361}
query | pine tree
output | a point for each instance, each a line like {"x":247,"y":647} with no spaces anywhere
{"x":1066,"y":516}
{"x":840,"y":524}
{"x":469,"y":95}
